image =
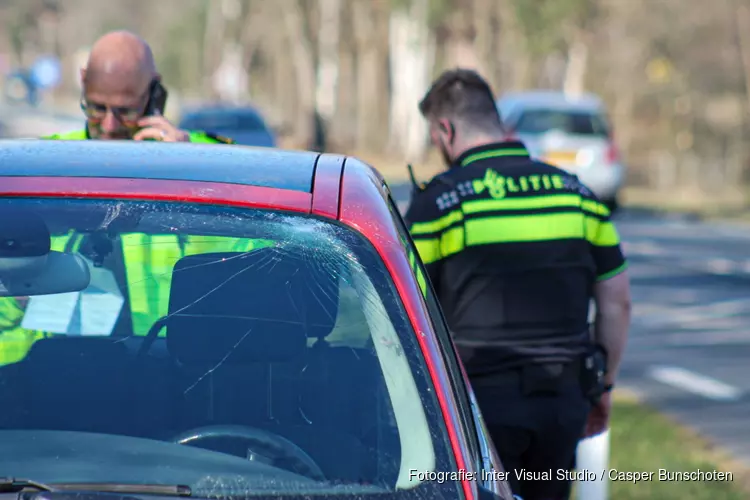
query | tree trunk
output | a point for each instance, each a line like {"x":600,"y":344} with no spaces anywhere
{"x":575,"y":71}
{"x":369,"y":73}
{"x":251,"y":37}
{"x":412,"y":52}
{"x":328,"y":58}
{"x":742,"y":18}
{"x":304,"y":69}
{"x":462,"y":49}
{"x":213,"y":41}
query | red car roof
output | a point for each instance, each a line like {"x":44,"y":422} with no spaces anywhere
{"x":206,"y":173}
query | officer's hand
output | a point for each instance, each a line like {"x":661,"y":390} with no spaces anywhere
{"x":159,"y":128}
{"x":598,"y":420}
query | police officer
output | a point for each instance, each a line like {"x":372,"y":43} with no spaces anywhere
{"x":515,"y":250}
{"x":123,"y":97}
{"x":120,"y":90}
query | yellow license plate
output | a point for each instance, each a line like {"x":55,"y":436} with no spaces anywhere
{"x":559,"y":158}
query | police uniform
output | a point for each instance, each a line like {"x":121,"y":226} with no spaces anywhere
{"x":513,"y":248}
{"x":195,"y":136}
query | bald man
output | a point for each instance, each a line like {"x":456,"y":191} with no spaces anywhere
{"x":119,"y":81}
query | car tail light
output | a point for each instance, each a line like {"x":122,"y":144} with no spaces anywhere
{"x":612,"y":153}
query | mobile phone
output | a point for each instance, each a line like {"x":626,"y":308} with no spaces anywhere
{"x":157,"y":99}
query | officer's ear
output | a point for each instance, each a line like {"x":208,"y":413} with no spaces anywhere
{"x":447,"y":128}
{"x":83,"y":75}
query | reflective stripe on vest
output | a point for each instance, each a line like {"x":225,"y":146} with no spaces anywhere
{"x":196,"y":136}
{"x":77,"y":135}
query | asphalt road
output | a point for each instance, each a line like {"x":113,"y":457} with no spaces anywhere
{"x":24,"y":121}
{"x":689,"y":348}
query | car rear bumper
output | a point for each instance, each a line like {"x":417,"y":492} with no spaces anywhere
{"x":604,"y":180}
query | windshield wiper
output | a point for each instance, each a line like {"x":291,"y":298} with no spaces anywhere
{"x":14,"y":485}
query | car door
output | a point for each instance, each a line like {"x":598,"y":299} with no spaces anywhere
{"x":492,"y":476}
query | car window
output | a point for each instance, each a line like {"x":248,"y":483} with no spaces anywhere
{"x":274,"y":346}
{"x":570,"y":122}
{"x":250,"y":121}
{"x":224,"y":120}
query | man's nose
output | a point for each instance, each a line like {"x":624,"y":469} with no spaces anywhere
{"x":110,"y":123}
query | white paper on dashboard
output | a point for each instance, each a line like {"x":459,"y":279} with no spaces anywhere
{"x":93,"y":311}
{"x":50,"y":313}
{"x":99,"y":305}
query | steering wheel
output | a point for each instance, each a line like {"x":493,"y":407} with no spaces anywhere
{"x":267,"y":440}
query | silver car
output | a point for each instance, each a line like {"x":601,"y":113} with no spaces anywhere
{"x":572,"y":133}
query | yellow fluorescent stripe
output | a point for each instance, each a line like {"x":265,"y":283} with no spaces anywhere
{"x":452,"y":241}
{"x":541,"y":202}
{"x":436,"y":225}
{"x":422,"y":284}
{"x":429,"y":250}
{"x":595,"y":207}
{"x":524,"y":228}
{"x":495,"y":154}
{"x":612,"y":273}
{"x":601,"y":234}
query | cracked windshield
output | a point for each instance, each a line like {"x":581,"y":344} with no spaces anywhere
{"x":230,"y":350}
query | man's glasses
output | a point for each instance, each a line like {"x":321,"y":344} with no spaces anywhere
{"x":97,"y":111}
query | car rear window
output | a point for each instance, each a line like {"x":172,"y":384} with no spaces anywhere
{"x":539,"y":121}
{"x":208,"y":320}
{"x":225,"y":121}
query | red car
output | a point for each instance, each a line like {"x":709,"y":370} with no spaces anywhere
{"x":222,"y":321}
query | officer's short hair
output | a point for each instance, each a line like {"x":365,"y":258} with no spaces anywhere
{"x":461,"y":94}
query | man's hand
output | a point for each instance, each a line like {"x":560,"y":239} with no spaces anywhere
{"x":598,"y":420}
{"x":159,"y":128}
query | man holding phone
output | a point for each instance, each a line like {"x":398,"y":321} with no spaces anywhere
{"x":123,"y":98}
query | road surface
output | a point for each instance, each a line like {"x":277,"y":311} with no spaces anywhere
{"x":24,"y":121}
{"x":689,"y":351}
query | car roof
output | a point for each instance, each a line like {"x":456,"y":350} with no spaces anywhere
{"x":245,"y":165}
{"x":512,"y":102}
{"x":221,"y":109}
{"x":328,"y":185}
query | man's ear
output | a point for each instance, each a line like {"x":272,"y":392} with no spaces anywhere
{"x":83,"y":75}
{"x":446,"y":127}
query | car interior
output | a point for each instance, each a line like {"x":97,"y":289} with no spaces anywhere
{"x":240,"y":357}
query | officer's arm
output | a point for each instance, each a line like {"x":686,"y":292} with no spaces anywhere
{"x":422,"y":219}
{"x":612,"y":288}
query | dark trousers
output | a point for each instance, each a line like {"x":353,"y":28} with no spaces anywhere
{"x":535,"y":418}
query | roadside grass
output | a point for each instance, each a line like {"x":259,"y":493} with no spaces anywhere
{"x":643,"y":440}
